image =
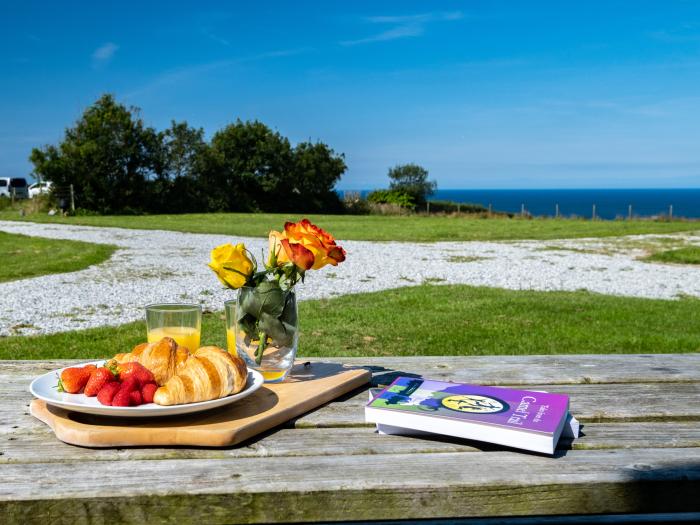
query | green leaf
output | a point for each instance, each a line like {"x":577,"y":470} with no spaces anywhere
{"x":289,"y":314}
{"x":249,"y":325}
{"x":282,"y":334}
{"x":269,"y":309}
{"x":267,"y":297}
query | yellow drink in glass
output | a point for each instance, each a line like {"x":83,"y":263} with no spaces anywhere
{"x":182,"y":322}
{"x":231,"y":340}
{"x":183,"y":335}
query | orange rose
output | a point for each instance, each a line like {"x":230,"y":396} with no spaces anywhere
{"x":306,"y":245}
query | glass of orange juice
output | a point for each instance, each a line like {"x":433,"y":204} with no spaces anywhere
{"x":230,"y":308}
{"x":182,"y":322}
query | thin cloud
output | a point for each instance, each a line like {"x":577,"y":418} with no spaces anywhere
{"x":391,"y":34}
{"x":216,"y":38}
{"x":178,"y":75}
{"x":104,"y":53}
{"x":417,"y":19}
{"x":405,"y":26}
{"x":680,"y":34}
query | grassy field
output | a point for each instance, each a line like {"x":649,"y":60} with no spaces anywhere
{"x":380,"y":228}
{"x":686,"y":255}
{"x":436,"y":320}
{"x":24,"y":256}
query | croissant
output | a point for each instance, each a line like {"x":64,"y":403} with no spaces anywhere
{"x":163,"y":358}
{"x":209,"y":373}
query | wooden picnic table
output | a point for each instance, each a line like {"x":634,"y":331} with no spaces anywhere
{"x":639,"y":453}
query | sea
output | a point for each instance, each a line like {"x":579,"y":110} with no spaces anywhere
{"x":609,"y":203}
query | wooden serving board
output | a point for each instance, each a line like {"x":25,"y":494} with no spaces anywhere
{"x":307,"y":387}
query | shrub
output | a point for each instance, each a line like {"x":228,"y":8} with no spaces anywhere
{"x":387,"y":209}
{"x":354,"y":204}
{"x":5,"y":203}
{"x":413,"y":180}
{"x":396,"y":197}
{"x":452,"y":207}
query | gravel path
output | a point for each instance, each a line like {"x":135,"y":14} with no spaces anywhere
{"x":161,"y":266}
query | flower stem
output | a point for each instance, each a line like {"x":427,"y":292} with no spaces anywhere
{"x":261,"y":347}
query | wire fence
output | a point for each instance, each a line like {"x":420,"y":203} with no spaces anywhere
{"x":556,"y":211}
{"x":64,"y":197}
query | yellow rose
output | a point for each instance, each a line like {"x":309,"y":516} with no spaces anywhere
{"x":231,"y":264}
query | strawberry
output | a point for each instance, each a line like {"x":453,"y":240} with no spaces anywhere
{"x":130,"y":384}
{"x":107,"y":392}
{"x":73,"y":379}
{"x":122,"y":398}
{"x":148,"y":391}
{"x":135,"y":398}
{"x":137,"y":370}
{"x":99,"y":378}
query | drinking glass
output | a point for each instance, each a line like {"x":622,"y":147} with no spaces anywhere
{"x":182,"y":322}
{"x":279,"y":349}
{"x":230,"y":309}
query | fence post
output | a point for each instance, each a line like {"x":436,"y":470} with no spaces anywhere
{"x":522,"y":210}
{"x":670,"y":211}
{"x":593,"y":214}
{"x":12,"y":195}
{"x":490,"y":208}
{"x":427,"y":207}
{"x":556,"y":210}
{"x":459,"y":207}
{"x":72,"y":199}
{"x":629,"y":212}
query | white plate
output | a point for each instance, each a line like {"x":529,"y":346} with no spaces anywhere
{"x":44,"y":387}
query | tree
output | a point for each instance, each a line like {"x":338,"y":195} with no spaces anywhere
{"x":182,"y":147}
{"x":118,"y":165}
{"x":413,"y":180}
{"x":316,"y":170}
{"x":178,"y":186}
{"x":108,"y":157}
{"x":248,"y":168}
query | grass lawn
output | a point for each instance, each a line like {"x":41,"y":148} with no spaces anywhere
{"x":379,"y":228}
{"x":436,"y":320}
{"x":24,"y":256}
{"x":687,"y":255}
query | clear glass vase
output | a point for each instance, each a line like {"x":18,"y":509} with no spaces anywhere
{"x":264,"y":312}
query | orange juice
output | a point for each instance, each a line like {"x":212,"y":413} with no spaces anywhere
{"x":231,"y":340}
{"x":272,"y":375}
{"x":184,"y":335}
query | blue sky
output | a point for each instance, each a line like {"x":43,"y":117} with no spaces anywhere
{"x":483,"y":94}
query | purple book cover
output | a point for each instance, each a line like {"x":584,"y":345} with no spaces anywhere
{"x":505,"y":407}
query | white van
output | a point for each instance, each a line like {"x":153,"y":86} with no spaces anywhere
{"x":16,"y":185}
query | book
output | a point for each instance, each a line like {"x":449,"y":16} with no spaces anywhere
{"x":570,"y":431}
{"x":523,"y":419}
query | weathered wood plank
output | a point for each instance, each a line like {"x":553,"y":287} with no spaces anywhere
{"x":488,"y":370}
{"x":302,"y":489}
{"x":23,"y":444}
{"x":588,"y":403}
